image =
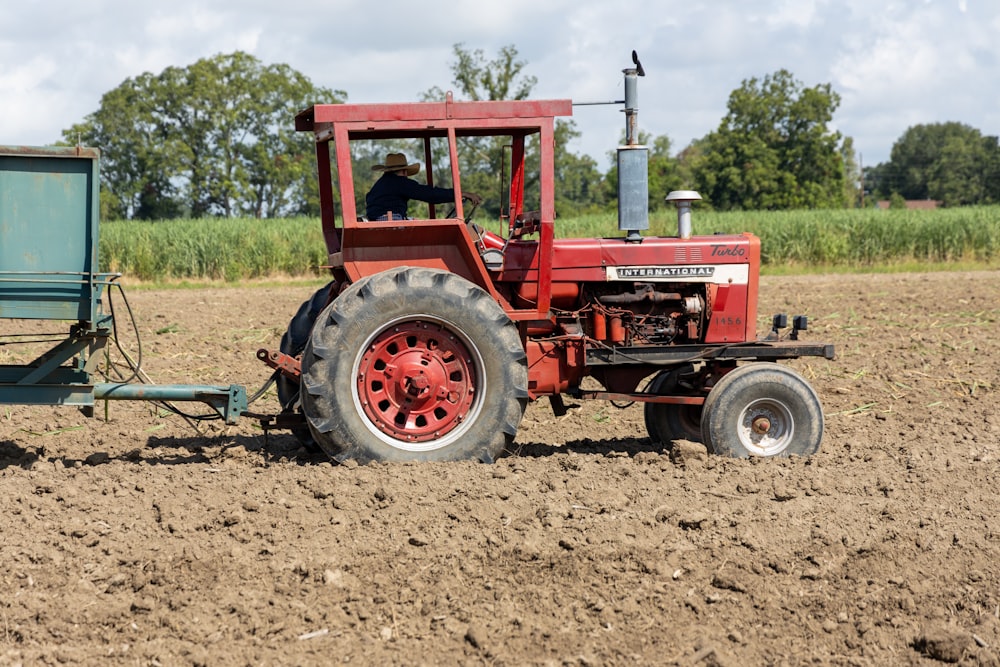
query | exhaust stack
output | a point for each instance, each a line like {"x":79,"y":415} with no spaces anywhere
{"x":633,"y":161}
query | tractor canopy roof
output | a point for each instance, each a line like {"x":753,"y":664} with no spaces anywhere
{"x":427,"y":119}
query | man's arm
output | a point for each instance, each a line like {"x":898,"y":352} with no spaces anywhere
{"x":432,"y":195}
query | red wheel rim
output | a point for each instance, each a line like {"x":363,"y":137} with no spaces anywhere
{"x":416,"y":381}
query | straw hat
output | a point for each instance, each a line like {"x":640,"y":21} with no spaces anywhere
{"x":397,"y":162}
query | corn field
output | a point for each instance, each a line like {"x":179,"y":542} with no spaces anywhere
{"x":791,"y":241}
{"x":213,"y":248}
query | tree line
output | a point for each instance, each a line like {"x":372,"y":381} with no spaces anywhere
{"x":216,"y":138}
{"x":948,"y":162}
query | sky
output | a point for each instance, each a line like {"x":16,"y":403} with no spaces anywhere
{"x":894,"y":63}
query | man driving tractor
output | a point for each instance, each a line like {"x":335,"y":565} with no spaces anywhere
{"x":389,"y":198}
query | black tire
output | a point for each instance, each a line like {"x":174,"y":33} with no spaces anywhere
{"x":414,"y":364}
{"x":762,"y":409}
{"x":292,"y":343}
{"x":666,"y":422}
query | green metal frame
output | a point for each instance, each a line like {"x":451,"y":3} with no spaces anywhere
{"x":49,"y":211}
{"x":49,"y":215}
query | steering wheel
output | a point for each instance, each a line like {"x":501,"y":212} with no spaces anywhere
{"x":468,"y":214}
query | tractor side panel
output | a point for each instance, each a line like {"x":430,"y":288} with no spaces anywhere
{"x":728,"y":267}
{"x":434,"y":244}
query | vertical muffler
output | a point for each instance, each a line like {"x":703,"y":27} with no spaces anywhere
{"x":633,"y":164}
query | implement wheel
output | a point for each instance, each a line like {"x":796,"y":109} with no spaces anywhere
{"x":414,"y":364}
{"x":762,"y":409}
{"x":666,"y":422}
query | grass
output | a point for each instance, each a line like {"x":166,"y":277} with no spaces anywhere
{"x":195,"y":252}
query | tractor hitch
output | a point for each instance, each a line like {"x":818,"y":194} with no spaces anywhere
{"x":288,"y":365}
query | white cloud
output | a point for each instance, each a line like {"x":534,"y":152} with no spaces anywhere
{"x":923,"y":64}
{"x":798,"y":13}
{"x":895,"y":63}
{"x":26,"y":101}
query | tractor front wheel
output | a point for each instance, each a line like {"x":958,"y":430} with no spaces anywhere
{"x":762,"y":409}
{"x":666,"y":422}
{"x":414,"y":364}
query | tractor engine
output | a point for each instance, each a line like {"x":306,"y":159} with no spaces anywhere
{"x":614,"y":315}
{"x":644,"y":313}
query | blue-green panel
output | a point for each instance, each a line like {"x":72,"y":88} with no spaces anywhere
{"x":49,"y":202}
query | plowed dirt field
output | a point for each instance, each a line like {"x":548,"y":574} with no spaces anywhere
{"x":134,"y":540}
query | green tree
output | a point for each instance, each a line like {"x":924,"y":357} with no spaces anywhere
{"x":876,"y":183}
{"x":991,"y":171}
{"x":136,"y":163}
{"x":951,"y":162}
{"x":213,"y":138}
{"x":774,"y":148}
{"x":479,"y":79}
{"x":577,"y":179}
{"x":664,"y":171}
{"x":852,"y":173}
{"x":579,"y":187}
{"x":688,"y":160}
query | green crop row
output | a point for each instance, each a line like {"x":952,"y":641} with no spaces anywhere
{"x":212,"y":248}
{"x":238,"y":249}
{"x":840,"y":239}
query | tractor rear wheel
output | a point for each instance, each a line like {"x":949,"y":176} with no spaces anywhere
{"x":292,"y":343}
{"x":666,"y":422}
{"x":414,"y":364}
{"x":762,"y":409}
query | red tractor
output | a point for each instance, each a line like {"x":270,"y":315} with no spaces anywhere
{"x":435,"y":332}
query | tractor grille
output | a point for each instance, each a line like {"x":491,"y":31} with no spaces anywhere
{"x":687,"y":255}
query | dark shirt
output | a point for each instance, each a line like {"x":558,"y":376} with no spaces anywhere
{"x":392,"y":193}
